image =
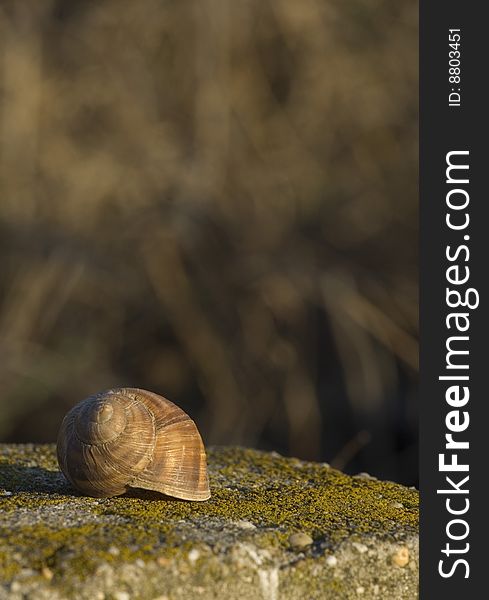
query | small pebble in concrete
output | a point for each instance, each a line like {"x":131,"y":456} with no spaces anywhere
{"x":245,"y":525}
{"x":362,"y":548}
{"x":401,"y":557}
{"x":47,"y":573}
{"x":193,"y":555}
{"x":15,"y":587}
{"x":397,"y":505}
{"x":300,"y":541}
{"x":331,"y":561}
{"x":364,"y":475}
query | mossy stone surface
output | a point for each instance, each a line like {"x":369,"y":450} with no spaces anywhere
{"x":58,"y":544}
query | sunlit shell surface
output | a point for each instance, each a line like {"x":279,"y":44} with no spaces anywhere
{"x":131,"y":438}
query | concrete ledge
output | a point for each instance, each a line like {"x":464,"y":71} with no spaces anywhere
{"x":274,"y":529}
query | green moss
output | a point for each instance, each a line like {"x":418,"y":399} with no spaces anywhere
{"x":276,"y":494}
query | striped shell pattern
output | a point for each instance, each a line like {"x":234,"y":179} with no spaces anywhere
{"x":130,"y":438}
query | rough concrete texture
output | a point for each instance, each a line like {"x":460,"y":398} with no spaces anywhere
{"x":358,"y":536}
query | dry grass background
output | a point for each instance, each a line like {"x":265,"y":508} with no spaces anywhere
{"x":215,"y":200}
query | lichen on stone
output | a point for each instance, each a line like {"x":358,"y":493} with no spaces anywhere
{"x":46,"y":524}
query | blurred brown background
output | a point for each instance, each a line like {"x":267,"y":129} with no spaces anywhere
{"x":215,"y":200}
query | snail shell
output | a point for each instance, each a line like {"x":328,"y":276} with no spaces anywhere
{"x":128,"y":437}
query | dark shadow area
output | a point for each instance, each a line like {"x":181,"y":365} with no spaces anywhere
{"x":18,"y":478}
{"x":149,"y":495}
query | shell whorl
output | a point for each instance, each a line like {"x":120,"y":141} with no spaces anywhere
{"x":100,"y":421}
{"x":129,"y":437}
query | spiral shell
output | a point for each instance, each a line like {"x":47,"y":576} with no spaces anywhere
{"x":131,"y":438}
